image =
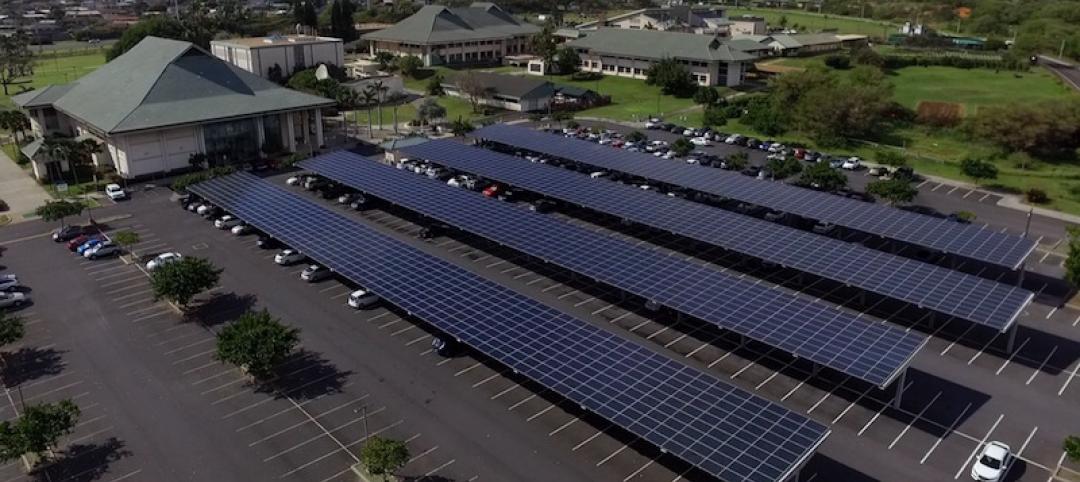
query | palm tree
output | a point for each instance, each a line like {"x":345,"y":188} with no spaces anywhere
{"x":396,"y":99}
{"x":369,"y":95}
{"x":381,"y":89}
{"x":347,"y":100}
{"x":61,"y":149}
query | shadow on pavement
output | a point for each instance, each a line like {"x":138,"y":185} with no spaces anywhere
{"x":220,"y":308}
{"x":31,"y":363}
{"x":305,"y":375}
{"x":83,"y":462}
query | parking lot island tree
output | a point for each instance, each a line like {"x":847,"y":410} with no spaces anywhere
{"x":681,"y":147}
{"x":738,"y":161}
{"x":1072,"y":261}
{"x":1072,"y":448}
{"x":256,"y":342}
{"x":893,"y":191}
{"x":126,"y":239}
{"x":636,"y":136}
{"x":784,"y":167}
{"x":12,"y":328}
{"x":180,"y":281}
{"x":978,"y":170}
{"x":58,"y":210}
{"x":38,"y":429}
{"x":823,"y":178}
{"x":383,"y":456}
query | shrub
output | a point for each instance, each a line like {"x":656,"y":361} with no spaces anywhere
{"x":837,"y":61}
{"x":586,"y":76}
{"x":1036,"y":196}
{"x":4,"y":206}
{"x":22,"y":160}
{"x":965,"y":215}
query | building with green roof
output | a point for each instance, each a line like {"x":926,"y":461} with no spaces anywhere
{"x":630,"y":53}
{"x":481,"y":33}
{"x":164,"y":100}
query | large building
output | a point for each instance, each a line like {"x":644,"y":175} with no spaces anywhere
{"x":164,"y":100}
{"x":675,"y":18}
{"x":282,"y":53}
{"x":630,"y":53}
{"x":482,"y":33}
{"x":512,"y":92}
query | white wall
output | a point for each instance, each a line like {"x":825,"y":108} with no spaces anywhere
{"x":260,"y":59}
{"x":151,"y":152}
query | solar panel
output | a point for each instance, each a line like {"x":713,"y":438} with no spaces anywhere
{"x":946,"y":236}
{"x":689,"y":413}
{"x":867,"y":350}
{"x":976,"y":299}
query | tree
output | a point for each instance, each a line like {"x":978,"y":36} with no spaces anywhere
{"x":275,"y":74}
{"x":838,"y":62}
{"x":381,"y":89}
{"x":1072,"y":447}
{"x":38,"y":429}
{"x":822,"y":177}
{"x":12,"y":328}
{"x":784,"y":167}
{"x":126,"y":239}
{"x":1041,"y":129}
{"x":681,"y":147}
{"x":461,"y":127}
{"x":369,"y":96}
{"x":706,"y":96}
{"x":256,"y":342}
{"x":385,"y":60}
{"x":16,"y":60}
{"x":831,"y":109}
{"x":158,"y":26}
{"x":341,"y":20}
{"x":567,"y":61}
{"x":867,"y":56}
{"x":434,"y":85}
{"x":429,"y":110}
{"x":383,"y":456}
{"x":893,"y":191}
{"x":544,"y":44}
{"x":410,"y":65}
{"x":636,"y":136}
{"x":890,"y":157}
{"x":14,"y":121}
{"x":763,"y":117}
{"x":737,"y":161}
{"x":714,"y":116}
{"x":58,"y":210}
{"x":348,"y":101}
{"x":978,"y":170}
{"x":396,"y":99}
{"x":181,"y":280}
{"x":672,"y":78}
{"x":305,"y":14}
{"x":474,"y":89}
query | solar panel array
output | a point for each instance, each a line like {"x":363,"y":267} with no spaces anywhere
{"x":946,"y":236}
{"x":976,"y":299}
{"x":687,"y":412}
{"x":866,"y":350}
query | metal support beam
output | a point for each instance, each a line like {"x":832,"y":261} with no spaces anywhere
{"x":1011,"y":343}
{"x":900,"y":382}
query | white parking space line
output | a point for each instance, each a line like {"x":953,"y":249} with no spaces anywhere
{"x":1069,"y":379}
{"x":1051,"y":313}
{"x":504,"y":391}
{"x":639,"y":470}
{"x":467,"y":369}
{"x":136,"y":293}
{"x":537,"y":414}
{"x":194,"y":344}
{"x":1011,"y":356}
{"x":583,"y":442}
{"x":969,"y":193}
{"x":948,"y":431}
{"x":978,"y":446}
{"x":984,"y":197}
{"x":913,"y":420}
{"x":521,"y":402}
{"x":936,"y":187}
{"x":951,"y":190}
{"x":1041,"y":365}
{"x":611,"y":456}
{"x":563,"y":426}
{"x":921,"y":184}
{"x":192,"y":357}
{"x":127,"y":476}
{"x":437,"y":469}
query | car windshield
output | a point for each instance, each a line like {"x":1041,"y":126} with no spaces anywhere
{"x":990,"y":462}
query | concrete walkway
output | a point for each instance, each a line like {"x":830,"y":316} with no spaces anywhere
{"x":19,"y":190}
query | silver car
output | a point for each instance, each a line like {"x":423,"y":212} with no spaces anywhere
{"x":315,"y":273}
{"x":12,"y":300}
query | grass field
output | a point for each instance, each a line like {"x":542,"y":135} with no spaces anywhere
{"x":57,"y":70}
{"x":810,"y":22}
{"x":455,"y":107}
{"x":632,"y":99}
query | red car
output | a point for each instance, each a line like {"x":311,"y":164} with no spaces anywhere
{"x":800,"y":153}
{"x":74,"y":243}
{"x":492,"y":190}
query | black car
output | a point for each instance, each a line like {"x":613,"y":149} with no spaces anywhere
{"x":751,"y":171}
{"x":266,"y":242}
{"x":678,"y":129}
{"x":67,"y":233}
{"x":432,"y":231}
{"x":543,"y":206}
{"x":445,"y":346}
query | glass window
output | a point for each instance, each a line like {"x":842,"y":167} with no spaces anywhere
{"x":231,"y":142}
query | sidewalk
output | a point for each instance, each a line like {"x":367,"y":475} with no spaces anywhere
{"x":19,"y":190}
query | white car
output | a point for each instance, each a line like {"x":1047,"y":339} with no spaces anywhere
{"x":598,"y":174}
{"x":8,"y":281}
{"x":851,"y":164}
{"x":733,"y":139}
{"x":288,"y":256}
{"x":362,"y":299}
{"x":115,"y":192}
{"x":315,"y":273}
{"x":241,"y":229}
{"x":13,"y":299}
{"x":227,"y":221}
{"x":162,"y":260}
{"x":700,"y":141}
{"x":991,"y":463}
{"x":203,"y":208}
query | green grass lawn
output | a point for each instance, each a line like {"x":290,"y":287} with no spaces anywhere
{"x":454,"y":106}
{"x":57,"y":70}
{"x":810,"y":22}
{"x":631,"y":99}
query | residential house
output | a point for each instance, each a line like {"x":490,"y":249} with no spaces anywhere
{"x":630,"y":53}
{"x":164,"y":100}
{"x":288,"y":53}
{"x":674,"y":18}
{"x":482,"y":33}
{"x":808,"y":44}
{"x":512,"y":92}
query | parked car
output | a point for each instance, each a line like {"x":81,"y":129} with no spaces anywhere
{"x":296,"y":180}
{"x":851,"y":164}
{"x":67,"y":233}
{"x":88,"y":245}
{"x":289,"y":256}
{"x":13,"y":299}
{"x":877,"y":171}
{"x":445,"y":346}
{"x":362,"y":298}
{"x":823,"y":227}
{"x":241,"y":229}
{"x":162,"y":260}
{"x":227,"y":221}
{"x":115,"y":192}
{"x":700,"y":141}
{"x":8,"y":282}
{"x":543,"y":206}
{"x":347,"y":198}
{"x":77,"y":241}
{"x":752,"y":171}
{"x":103,"y":249}
{"x":266,"y":242}
{"x":360,"y":203}
{"x":991,"y":462}
{"x":493,"y":190}
{"x":315,"y":273}
{"x":836,"y":163}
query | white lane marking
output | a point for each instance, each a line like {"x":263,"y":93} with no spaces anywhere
{"x":917,"y":417}
{"x":1071,"y":376}
{"x":1041,"y":365}
{"x":946,"y":434}
{"x":978,"y":446}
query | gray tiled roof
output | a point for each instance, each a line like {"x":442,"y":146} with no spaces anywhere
{"x":160,"y":83}
{"x":42,"y":97}
{"x":653,"y":44}
{"x":437,"y":24}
